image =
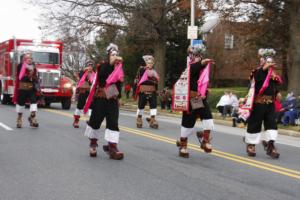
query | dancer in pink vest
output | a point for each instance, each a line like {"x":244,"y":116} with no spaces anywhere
{"x":147,"y":92}
{"x":26,"y":86}
{"x":198,"y":107}
{"x":105,"y":94}
{"x":86,"y":77}
{"x":260,"y":102}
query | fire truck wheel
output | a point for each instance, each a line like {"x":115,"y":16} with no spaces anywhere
{"x":5,"y":99}
{"x":66,"y":104}
{"x":47,"y":104}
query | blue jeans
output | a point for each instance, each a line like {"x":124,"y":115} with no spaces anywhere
{"x":289,"y":117}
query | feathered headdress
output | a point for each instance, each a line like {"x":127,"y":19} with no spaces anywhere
{"x":112,"y":47}
{"x":266,"y":53}
{"x":89,"y":62}
{"x":148,"y":58}
{"x":198,"y":49}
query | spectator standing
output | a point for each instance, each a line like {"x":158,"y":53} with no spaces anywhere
{"x":161,"y":97}
{"x":127,"y":89}
{"x":168,"y":98}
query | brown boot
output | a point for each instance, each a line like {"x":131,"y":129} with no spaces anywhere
{"x":76,"y":121}
{"x":112,"y":150}
{"x":32,"y":119}
{"x":250,"y":148}
{"x":204,"y":139}
{"x":19,"y":120}
{"x":182,"y":145}
{"x":152,"y":122}
{"x":270,"y":149}
{"x":93,"y":147}
{"x":139,"y":121}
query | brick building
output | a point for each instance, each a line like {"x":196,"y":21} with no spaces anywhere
{"x":226,"y":43}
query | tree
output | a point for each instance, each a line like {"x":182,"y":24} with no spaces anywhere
{"x":146,"y":21}
{"x":75,"y":55}
{"x":294,"y":46}
{"x":273,"y":23}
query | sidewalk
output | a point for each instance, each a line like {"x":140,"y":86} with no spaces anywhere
{"x":217,"y":118}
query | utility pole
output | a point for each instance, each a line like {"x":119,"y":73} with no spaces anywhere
{"x":192,"y":29}
{"x":192,"y":16}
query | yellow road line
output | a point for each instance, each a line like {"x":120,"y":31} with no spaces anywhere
{"x":218,"y":152}
{"x":221,"y":154}
{"x":269,"y":167}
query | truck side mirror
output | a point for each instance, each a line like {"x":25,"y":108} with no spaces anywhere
{"x":11,"y":55}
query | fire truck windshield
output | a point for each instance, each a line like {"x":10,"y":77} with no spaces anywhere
{"x":45,"y":57}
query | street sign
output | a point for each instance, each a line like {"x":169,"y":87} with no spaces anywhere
{"x":197,"y":43}
{"x":192,"y":32}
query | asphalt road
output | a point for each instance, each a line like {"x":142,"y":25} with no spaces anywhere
{"x":52,"y":162}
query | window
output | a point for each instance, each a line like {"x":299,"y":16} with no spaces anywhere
{"x":228,"y":41}
{"x":45,"y":57}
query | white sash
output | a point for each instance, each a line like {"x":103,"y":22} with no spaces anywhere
{"x":250,"y":97}
{"x":181,"y":91}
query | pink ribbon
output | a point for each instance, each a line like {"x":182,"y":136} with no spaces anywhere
{"x":91,"y":94}
{"x":266,"y":82}
{"x":116,"y":75}
{"x":23,"y":70}
{"x":203,"y":80}
{"x":82,"y":80}
{"x":145,"y":77}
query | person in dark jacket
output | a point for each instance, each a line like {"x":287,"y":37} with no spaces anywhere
{"x":189,"y":117}
{"x":263,"y":110}
{"x":83,"y":89}
{"x":147,"y":92}
{"x":27,"y":82}
{"x":106,"y":105}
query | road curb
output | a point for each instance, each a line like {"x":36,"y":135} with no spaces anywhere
{"x":133,"y":108}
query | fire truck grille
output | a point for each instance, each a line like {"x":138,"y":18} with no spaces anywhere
{"x":49,"y":79}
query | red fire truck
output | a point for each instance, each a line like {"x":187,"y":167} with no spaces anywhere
{"x":47,"y":56}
